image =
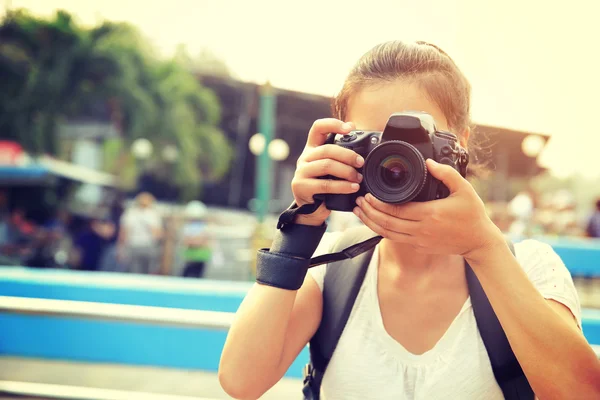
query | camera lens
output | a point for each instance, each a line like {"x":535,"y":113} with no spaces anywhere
{"x":395,"y":172}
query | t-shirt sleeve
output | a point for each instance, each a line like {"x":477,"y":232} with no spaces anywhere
{"x":318,"y":273}
{"x":155,"y":220}
{"x":125,"y":219}
{"x":549,"y":274}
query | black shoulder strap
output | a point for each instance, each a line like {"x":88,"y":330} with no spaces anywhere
{"x":506,"y":367}
{"x":343,"y":280}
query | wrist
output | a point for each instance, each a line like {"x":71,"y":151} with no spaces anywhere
{"x":317,"y":218}
{"x":493,"y":242}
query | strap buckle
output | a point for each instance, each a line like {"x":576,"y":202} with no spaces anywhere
{"x":463,"y":161}
{"x":308,"y":374}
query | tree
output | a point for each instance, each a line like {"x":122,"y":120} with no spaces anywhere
{"x":53,"y":70}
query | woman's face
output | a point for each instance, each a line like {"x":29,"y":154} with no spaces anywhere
{"x":371,"y":107}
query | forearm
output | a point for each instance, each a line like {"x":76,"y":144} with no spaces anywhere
{"x":255,"y":341}
{"x":554,"y":355}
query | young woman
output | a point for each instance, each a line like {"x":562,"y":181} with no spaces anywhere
{"x":412,"y":333}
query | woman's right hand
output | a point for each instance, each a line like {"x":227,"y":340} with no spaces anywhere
{"x":319,"y":159}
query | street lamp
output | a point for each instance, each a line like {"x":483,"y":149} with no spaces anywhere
{"x":532,"y":145}
{"x":141,"y":149}
{"x":278,"y":150}
{"x":257,"y":143}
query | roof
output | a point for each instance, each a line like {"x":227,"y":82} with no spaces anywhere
{"x":45,"y":168}
{"x":296,"y":111}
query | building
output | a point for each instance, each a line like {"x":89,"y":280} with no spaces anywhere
{"x":502,"y":148}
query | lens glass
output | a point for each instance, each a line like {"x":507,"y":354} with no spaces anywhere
{"x":395,"y":172}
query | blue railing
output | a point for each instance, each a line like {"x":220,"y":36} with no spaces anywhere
{"x":123,"y":341}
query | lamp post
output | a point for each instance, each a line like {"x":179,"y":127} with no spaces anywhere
{"x":170,"y":154}
{"x":266,"y":125}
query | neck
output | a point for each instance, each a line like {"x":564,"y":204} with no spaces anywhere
{"x":404,"y":266}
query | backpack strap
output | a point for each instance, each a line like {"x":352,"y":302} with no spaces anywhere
{"x":343,"y":280}
{"x":506,"y":367}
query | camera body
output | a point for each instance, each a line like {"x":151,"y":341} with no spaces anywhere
{"x":394,"y":170}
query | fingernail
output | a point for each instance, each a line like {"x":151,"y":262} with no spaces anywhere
{"x":359,"y":177}
{"x":355,"y":186}
{"x":356,"y":211}
{"x":346,"y":126}
{"x":369,"y":197}
{"x":360,"y":161}
{"x":359,"y":201}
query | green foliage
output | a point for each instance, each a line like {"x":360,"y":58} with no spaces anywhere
{"x":53,"y":70}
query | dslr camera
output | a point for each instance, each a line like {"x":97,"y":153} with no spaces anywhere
{"x":394,"y":170}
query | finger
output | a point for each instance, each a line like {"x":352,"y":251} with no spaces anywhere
{"x":414,"y":211}
{"x":323,"y":127}
{"x":448,"y":175}
{"x":328,"y":166}
{"x":378,"y":229}
{"x":335,"y":152}
{"x":324,"y":186}
{"x":386,"y":221}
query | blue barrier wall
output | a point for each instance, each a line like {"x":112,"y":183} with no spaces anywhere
{"x":119,"y":342}
{"x":138,"y":344}
{"x":116,"y":342}
{"x":108,"y":287}
{"x":581,"y":256}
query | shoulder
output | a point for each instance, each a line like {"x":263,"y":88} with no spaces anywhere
{"x":540,"y":261}
{"x":531,"y":252}
{"x":548,"y":273}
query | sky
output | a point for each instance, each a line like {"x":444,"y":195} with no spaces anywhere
{"x":534,"y":65}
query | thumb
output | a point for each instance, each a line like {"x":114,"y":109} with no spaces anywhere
{"x":448,"y":175}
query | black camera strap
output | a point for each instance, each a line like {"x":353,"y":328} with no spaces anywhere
{"x":288,"y":216}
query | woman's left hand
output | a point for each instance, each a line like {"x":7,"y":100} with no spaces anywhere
{"x":457,"y":224}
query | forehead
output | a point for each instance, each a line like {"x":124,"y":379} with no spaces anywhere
{"x":371,"y":106}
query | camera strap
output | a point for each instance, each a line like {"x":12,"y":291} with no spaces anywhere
{"x":288,"y":216}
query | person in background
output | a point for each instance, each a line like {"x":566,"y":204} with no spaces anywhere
{"x":91,"y":243}
{"x":141,"y":230}
{"x":196,"y":240}
{"x":593,"y":227}
{"x":4,"y":220}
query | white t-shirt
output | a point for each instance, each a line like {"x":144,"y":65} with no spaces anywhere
{"x":139,"y":224}
{"x":369,"y":364}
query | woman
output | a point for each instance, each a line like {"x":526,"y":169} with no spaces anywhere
{"x":412,"y":332}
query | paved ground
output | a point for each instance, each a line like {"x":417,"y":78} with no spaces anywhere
{"x":122,"y":380}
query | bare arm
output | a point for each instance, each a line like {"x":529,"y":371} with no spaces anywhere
{"x":270,"y":329}
{"x":273,"y":325}
{"x":556,"y":358}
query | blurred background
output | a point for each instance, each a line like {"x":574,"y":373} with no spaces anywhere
{"x":147,"y":148}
